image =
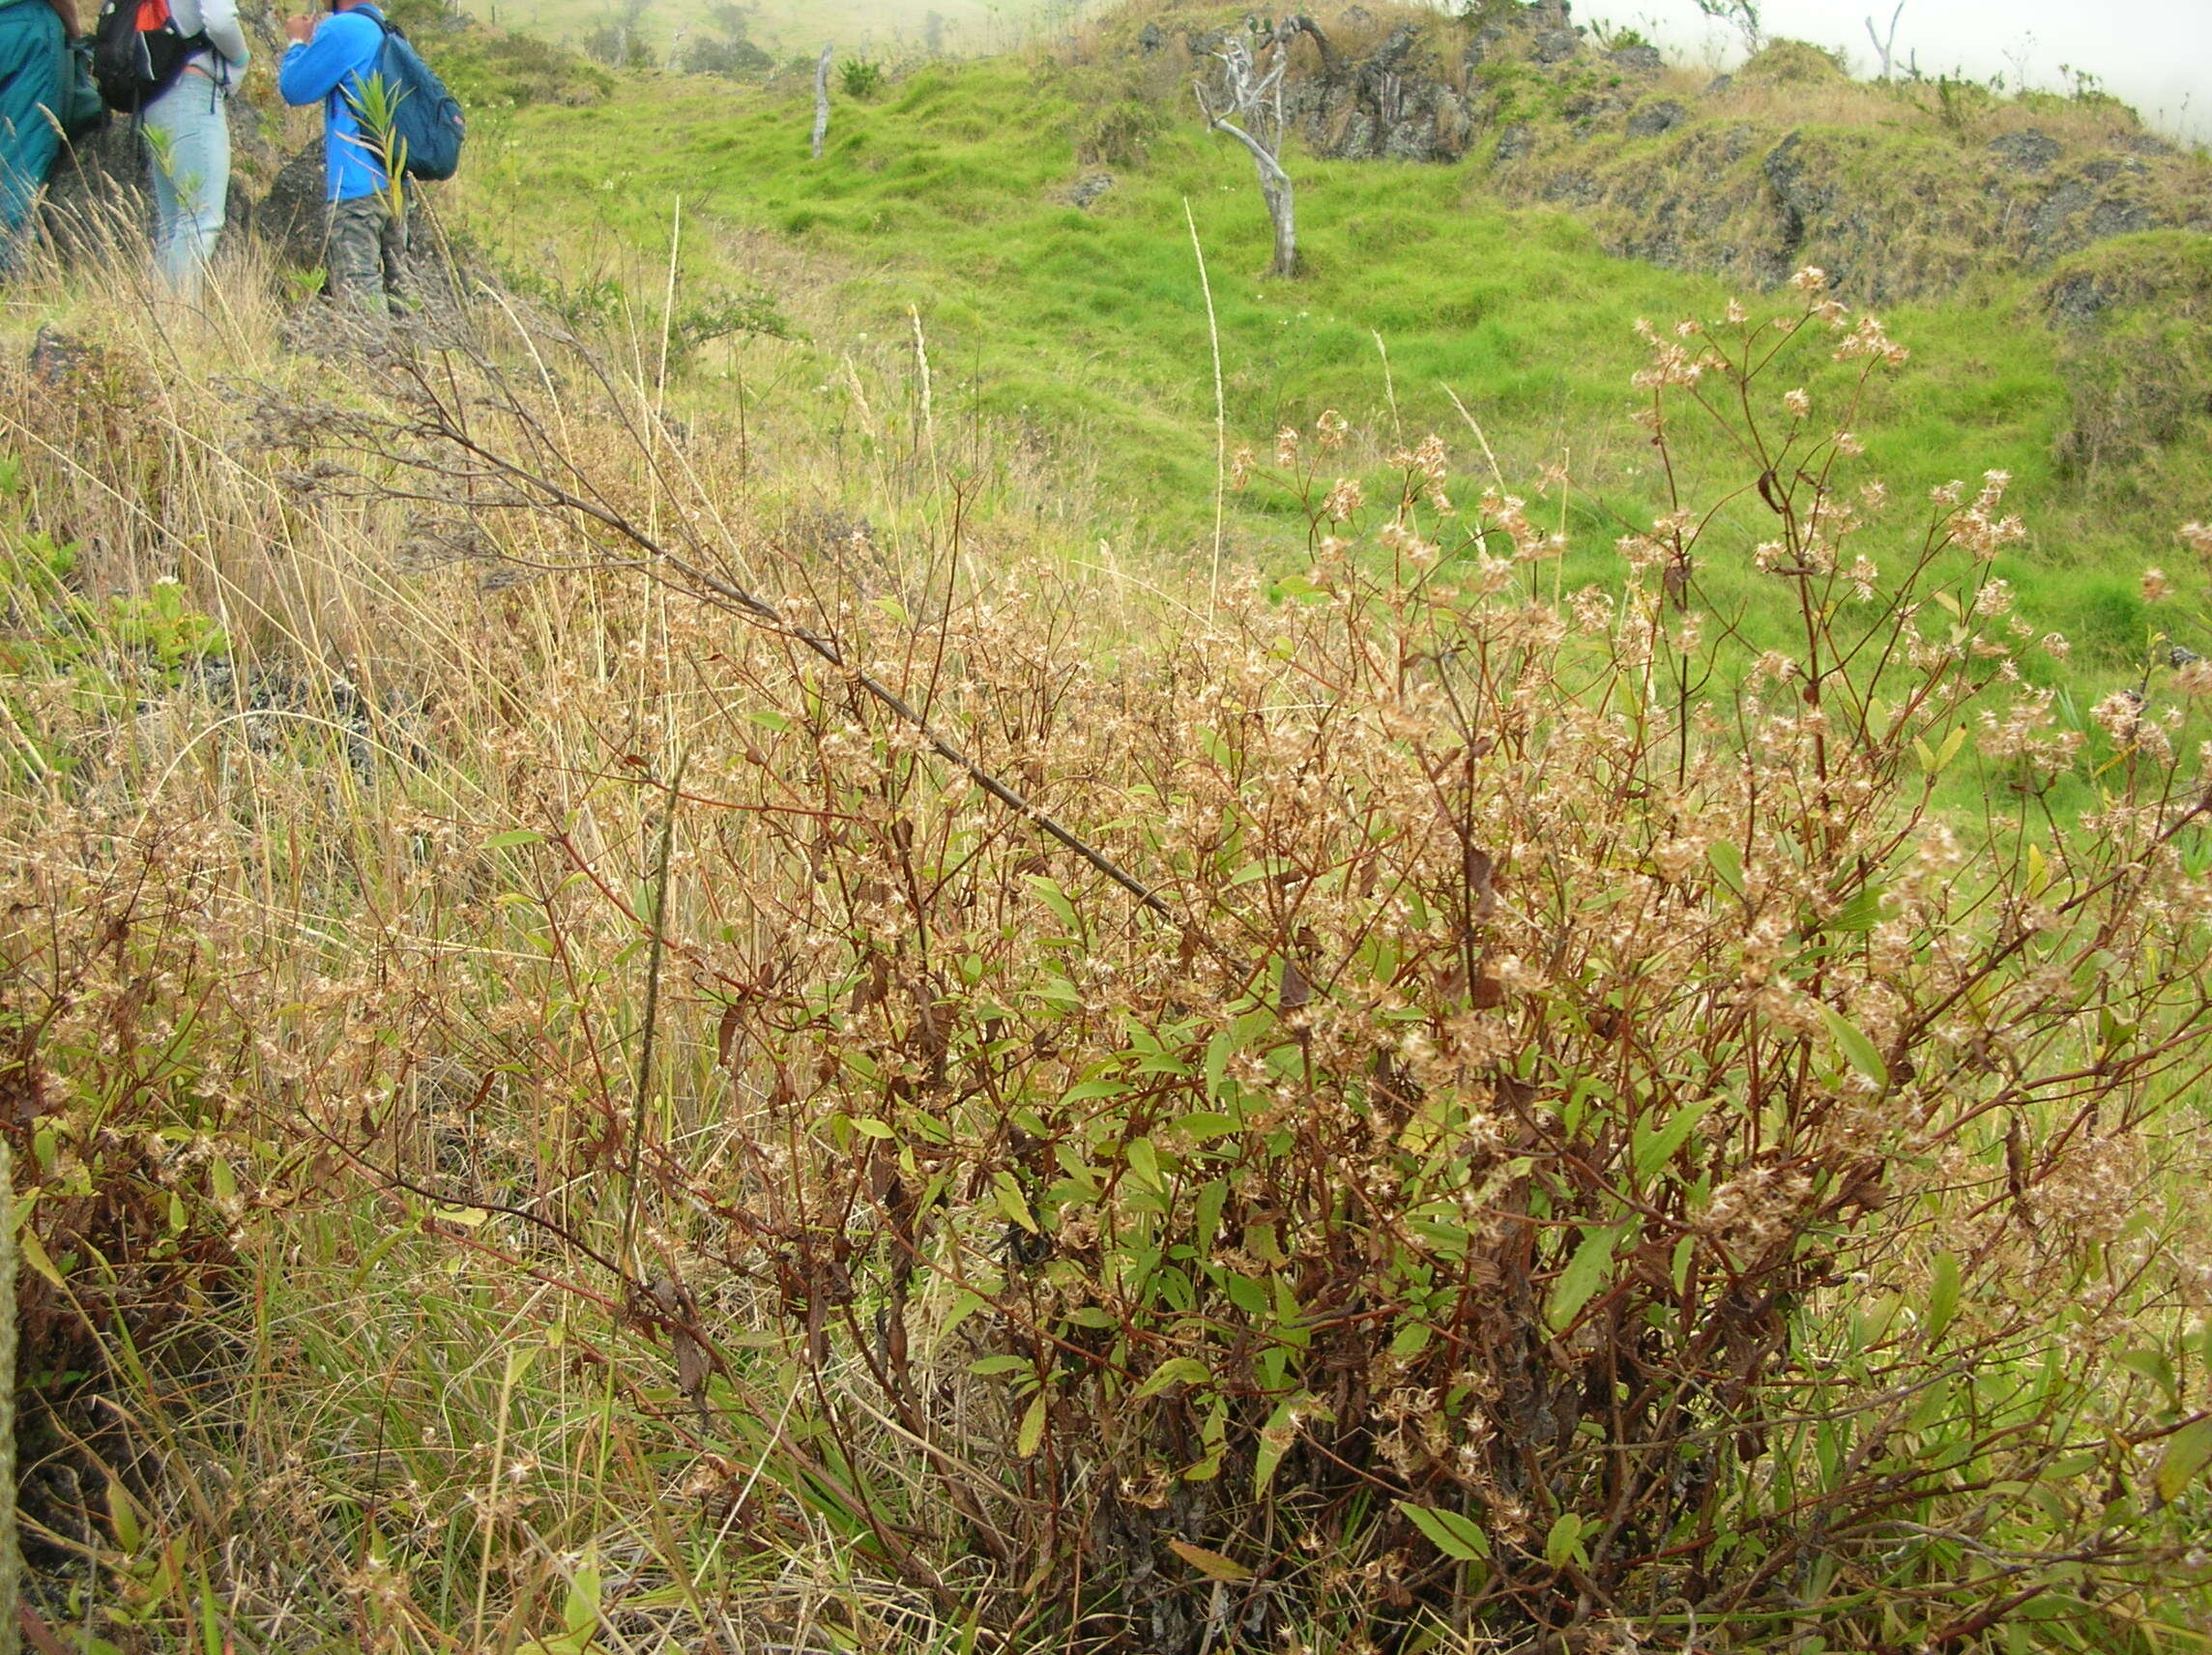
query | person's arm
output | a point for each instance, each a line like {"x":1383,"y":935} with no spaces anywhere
{"x":312,"y":68}
{"x":218,"y":21}
{"x":65,"y":10}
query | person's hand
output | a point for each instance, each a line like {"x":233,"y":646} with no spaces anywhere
{"x":297,"y":29}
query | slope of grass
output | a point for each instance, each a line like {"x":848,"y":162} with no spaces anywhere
{"x":868,"y":28}
{"x":946,"y":200}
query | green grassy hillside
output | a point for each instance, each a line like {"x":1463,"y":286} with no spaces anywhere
{"x":946,"y":200}
{"x":877,"y":28}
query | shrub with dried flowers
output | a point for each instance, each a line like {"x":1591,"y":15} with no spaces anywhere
{"x":1550,"y":1147}
{"x":1414,"y":1107}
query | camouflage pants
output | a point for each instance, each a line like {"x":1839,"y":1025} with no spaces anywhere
{"x":365,"y":248}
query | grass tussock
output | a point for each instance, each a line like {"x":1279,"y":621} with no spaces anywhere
{"x":641,"y":1024}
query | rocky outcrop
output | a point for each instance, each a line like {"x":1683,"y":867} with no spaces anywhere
{"x":2134,"y":324}
{"x":1893,"y":208}
{"x":1394,"y":104}
{"x":1888,"y":217}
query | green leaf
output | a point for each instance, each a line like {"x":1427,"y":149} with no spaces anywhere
{"x":1032,"y":1433}
{"x":1012,"y":1203}
{"x":990,"y":1367}
{"x":2153,"y":1366}
{"x":1048,"y":891}
{"x":1245,"y":1293}
{"x":34,"y":1254}
{"x":1175,"y":1371}
{"x":1564,"y":1542}
{"x":1942,"y":1297}
{"x":1206,"y":1124}
{"x":1219,"y":1051}
{"x":513,"y":838}
{"x":1852,"y":1042}
{"x":964,"y":1305}
{"x":1653,"y":1153}
{"x":1585,"y":1274}
{"x":123,"y":1517}
{"x":1727,"y":860}
{"x":1455,"y":1536}
{"x":1205,"y":1215}
{"x":580,"y":1611}
{"x":1412,"y":1339}
{"x":2186,"y":1452}
{"x":1863,"y":913}
{"x":1276,"y":1440}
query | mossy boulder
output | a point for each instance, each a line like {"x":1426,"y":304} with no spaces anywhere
{"x":1891,"y":214}
{"x":1794,"y":63}
{"x":2134,"y":320}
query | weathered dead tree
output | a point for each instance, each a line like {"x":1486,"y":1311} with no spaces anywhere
{"x":1885,"y":48}
{"x":822,"y":99}
{"x":1253,"y":114}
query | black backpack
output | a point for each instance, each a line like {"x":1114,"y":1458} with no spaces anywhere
{"x":137,"y":52}
{"x":427,"y":119}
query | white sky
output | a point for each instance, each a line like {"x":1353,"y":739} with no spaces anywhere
{"x":2157,"y":54}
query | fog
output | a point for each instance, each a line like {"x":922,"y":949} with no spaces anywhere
{"x":2157,"y":54}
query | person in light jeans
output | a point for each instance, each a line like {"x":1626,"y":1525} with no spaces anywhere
{"x":188,"y":139}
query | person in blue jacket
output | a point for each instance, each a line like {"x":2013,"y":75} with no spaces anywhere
{"x":325,"y":64}
{"x":34,"y":58}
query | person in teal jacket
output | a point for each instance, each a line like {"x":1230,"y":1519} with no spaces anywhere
{"x":325,"y":64}
{"x":34,"y":58}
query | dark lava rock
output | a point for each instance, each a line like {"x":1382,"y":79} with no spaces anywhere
{"x":1719,"y":86}
{"x":56,"y":358}
{"x":1652,"y":120}
{"x":293,"y":218}
{"x":1515,"y":142}
{"x":1556,"y":45}
{"x":1638,"y":60}
{"x":1088,"y":190}
{"x":1394,"y":104}
{"x":2077,"y":300}
{"x":2031,"y":151}
{"x":1149,"y":39}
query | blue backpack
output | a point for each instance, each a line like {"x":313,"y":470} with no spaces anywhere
{"x":426,"y":118}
